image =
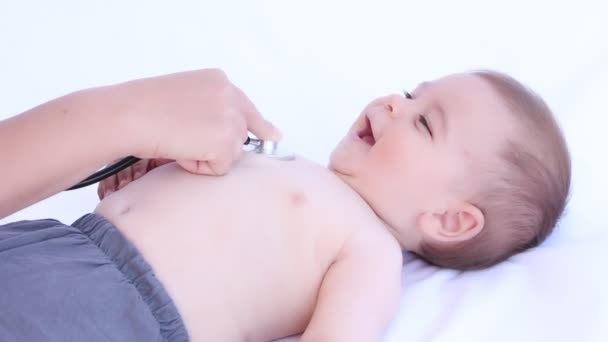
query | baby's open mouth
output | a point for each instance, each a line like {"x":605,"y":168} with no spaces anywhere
{"x":367,"y":134}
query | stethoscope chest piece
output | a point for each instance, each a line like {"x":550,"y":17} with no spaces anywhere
{"x":269,"y":149}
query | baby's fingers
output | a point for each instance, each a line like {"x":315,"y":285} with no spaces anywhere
{"x":106,"y":187}
{"x":124,"y":177}
{"x":154,"y":163}
{"x":140,"y":168}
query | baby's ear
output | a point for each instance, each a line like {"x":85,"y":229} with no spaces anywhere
{"x":459,"y":223}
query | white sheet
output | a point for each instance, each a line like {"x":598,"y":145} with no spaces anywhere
{"x":311,"y":66}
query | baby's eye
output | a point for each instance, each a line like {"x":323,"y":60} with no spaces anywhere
{"x":422,"y":119}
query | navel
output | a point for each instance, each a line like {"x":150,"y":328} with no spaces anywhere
{"x":125,"y":210}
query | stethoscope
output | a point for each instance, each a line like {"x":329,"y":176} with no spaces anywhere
{"x":265,"y":147}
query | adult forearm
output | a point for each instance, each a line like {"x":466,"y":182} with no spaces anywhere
{"x":53,"y":146}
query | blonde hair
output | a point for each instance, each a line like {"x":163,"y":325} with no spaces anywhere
{"x":527,"y":189}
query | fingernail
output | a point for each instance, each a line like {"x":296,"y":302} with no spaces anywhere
{"x":277,"y":135}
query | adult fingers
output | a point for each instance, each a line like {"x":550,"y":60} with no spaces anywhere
{"x":196,"y":166}
{"x":237,"y":151}
{"x":256,"y":123}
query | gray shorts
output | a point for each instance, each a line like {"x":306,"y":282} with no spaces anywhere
{"x":83,"y":282}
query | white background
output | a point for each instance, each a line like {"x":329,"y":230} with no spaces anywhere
{"x":310,"y":66}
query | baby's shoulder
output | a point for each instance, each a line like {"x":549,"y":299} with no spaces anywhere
{"x":373,"y":241}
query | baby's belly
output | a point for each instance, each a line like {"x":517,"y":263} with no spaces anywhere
{"x":242,"y":255}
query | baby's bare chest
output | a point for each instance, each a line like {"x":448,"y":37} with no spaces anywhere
{"x":249,"y":246}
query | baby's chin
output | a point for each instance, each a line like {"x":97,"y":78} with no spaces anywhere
{"x":332,"y":165}
{"x":339,"y":161}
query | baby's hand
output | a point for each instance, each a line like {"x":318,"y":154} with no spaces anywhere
{"x":126,"y":176}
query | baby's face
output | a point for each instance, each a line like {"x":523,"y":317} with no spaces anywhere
{"x":419,"y":156}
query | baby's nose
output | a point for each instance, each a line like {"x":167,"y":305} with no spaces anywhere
{"x":395,"y":105}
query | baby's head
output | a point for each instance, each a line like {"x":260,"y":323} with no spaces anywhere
{"x":466,"y":171}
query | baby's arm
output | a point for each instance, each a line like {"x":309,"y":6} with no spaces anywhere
{"x":360,"y":291}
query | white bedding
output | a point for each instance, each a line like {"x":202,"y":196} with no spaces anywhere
{"x":310,"y":67}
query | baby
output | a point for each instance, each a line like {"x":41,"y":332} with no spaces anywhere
{"x":465,"y":171}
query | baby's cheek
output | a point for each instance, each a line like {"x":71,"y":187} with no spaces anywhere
{"x":392,"y":151}
{"x":456,"y":169}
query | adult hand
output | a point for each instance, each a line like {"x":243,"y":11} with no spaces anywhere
{"x":198,"y":118}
